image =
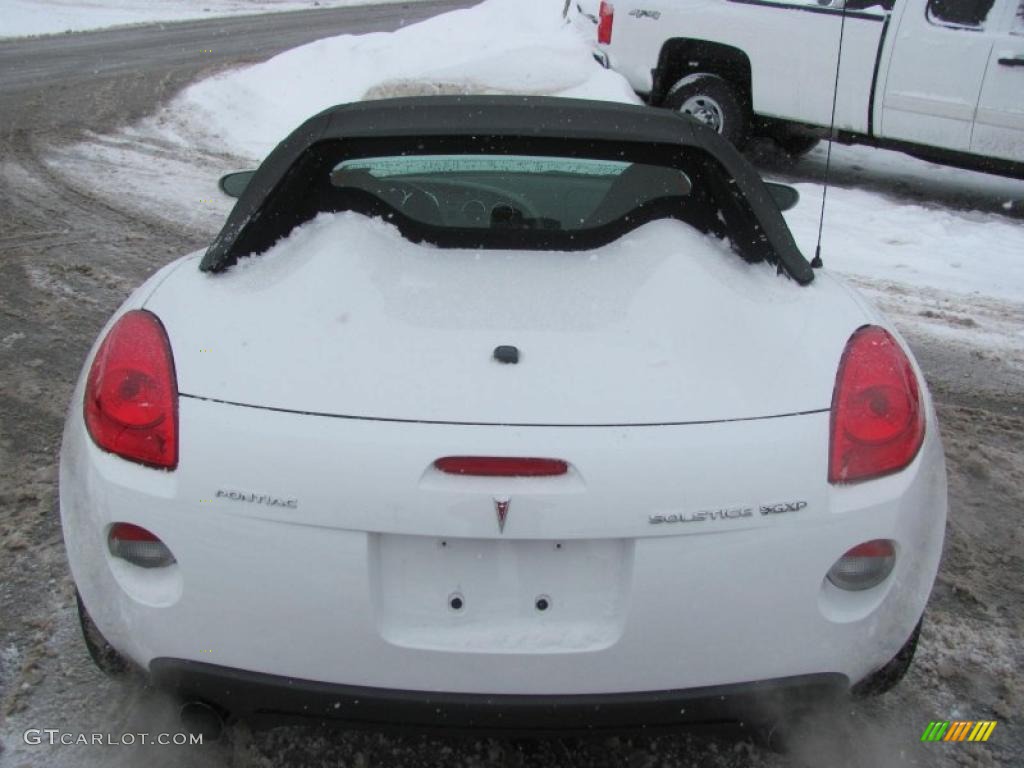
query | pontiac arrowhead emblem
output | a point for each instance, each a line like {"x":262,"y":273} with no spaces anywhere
{"x":501,"y":507}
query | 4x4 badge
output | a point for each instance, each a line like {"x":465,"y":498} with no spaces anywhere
{"x":501,"y":507}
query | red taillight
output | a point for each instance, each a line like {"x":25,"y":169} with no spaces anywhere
{"x":500,"y":466}
{"x":877,"y":418}
{"x":605,"y":19}
{"x":131,"y":395}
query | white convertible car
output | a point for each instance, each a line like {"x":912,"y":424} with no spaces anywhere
{"x":502,"y":412}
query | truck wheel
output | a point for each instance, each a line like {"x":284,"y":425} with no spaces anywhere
{"x":709,"y":99}
{"x":795,"y":145}
{"x":110,"y":662}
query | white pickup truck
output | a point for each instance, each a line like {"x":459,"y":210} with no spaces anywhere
{"x":940,"y":79}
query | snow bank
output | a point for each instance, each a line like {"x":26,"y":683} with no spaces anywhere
{"x":499,"y":46}
{"x":874,"y":236}
{"x":45,"y":17}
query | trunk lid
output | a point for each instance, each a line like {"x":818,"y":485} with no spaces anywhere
{"x":345,"y":317}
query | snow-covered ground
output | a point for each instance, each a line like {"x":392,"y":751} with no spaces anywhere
{"x":500,"y":46}
{"x":941,"y":249}
{"x":171,"y":161}
{"x":21,"y":18}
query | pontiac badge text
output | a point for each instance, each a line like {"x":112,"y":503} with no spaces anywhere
{"x":258,"y":498}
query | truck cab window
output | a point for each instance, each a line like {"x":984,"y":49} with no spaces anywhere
{"x":959,"y":13}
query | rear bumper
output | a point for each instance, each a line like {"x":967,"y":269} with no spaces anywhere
{"x":352,"y":587}
{"x":270,"y":699}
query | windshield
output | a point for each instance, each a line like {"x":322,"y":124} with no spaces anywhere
{"x":513,"y":191}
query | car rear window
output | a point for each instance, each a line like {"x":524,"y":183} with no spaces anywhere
{"x":518,"y":192}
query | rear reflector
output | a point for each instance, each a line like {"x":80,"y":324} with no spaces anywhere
{"x":138,"y":546}
{"x":500,"y":466}
{"x":864,"y":566}
{"x":605,"y":20}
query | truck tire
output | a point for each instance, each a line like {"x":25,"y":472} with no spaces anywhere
{"x":711,"y":100}
{"x":796,"y":145}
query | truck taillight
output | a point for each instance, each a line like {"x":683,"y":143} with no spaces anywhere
{"x":605,"y":19}
{"x":131,"y":395}
{"x":877,"y":416}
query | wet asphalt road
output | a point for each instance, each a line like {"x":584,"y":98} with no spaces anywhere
{"x":50,"y":84}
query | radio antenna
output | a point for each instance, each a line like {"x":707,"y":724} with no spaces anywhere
{"x":816,"y":262}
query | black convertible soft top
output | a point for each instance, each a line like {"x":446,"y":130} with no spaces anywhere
{"x":535,"y":124}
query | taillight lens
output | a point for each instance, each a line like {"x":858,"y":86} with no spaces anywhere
{"x":131,"y":395}
{"x":138,"y":546}
{"x":877,"y":418}
{"x":864,"y":566}
{"x":501,"y":466}
{"x":605,"y":19}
